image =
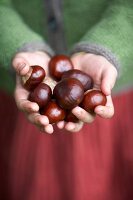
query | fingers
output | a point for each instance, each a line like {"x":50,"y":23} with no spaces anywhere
{"x":106,"y":111}
{"x":82,"y":115}
{"x":74,"y":127}
{"x":21,"y":97}
{"x":61,"y":124}
{"x":41,"y":122}
{"x":108,"y":80}
{"x":27,"y":106}
{"x":31,"y":110}
{"x":21,"y":65}
{"x":49,"y":129}
{"x":70,"y":126}
{"x":38,"y":119}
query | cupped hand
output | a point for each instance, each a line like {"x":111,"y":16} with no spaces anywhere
{"x":21,"y":63}
{"x":104,"y":76}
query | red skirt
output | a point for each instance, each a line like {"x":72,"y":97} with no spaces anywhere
{"x":93,"y":164}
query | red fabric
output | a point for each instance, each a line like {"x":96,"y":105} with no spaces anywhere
{"x":94,"y":164}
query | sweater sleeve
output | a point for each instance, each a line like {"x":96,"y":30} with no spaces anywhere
{"x":112,"y":36}
{"x":15,"y":35}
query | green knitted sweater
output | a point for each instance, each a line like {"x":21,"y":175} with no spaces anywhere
{"x":105,"y":23}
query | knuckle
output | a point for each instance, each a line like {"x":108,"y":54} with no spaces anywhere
{"x":31,"y":118}
{"x":37,"y":119}
{"x":23,"y":106}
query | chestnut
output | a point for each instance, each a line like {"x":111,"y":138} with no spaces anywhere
{"x":41,"y":95}
{"x":58,"y":65}
{"x":68,"y":93}
{"x":35,"y":76}
{"x":84,"y":78}
{"x":92,"y":99}
{"x":70,"y":117}
{"x":53,"y":112}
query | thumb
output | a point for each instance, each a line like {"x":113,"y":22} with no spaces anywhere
{"x":108,"y":81}
{"x":21,"y":65}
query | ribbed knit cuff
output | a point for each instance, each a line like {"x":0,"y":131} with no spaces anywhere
{"x":36,"y":46}
{"x":98,"y":50}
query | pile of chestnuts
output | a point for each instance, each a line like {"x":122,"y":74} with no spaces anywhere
{"x":71,"y":87}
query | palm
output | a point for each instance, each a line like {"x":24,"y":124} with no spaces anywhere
{"x":21,"y":95}
{"x":37,"y":58}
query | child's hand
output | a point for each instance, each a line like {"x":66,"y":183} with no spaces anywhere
{"x":104,"y":75}
{"x":21,"y":63}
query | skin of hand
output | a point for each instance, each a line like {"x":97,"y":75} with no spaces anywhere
{"x":21,"y":63}
{"x":104,"y":75}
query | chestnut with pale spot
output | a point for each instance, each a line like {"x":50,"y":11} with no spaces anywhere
{"x":54,"y":112}
{"x":68,"y":93}
{"x":42,"y":94}
{"x":58,"y":65}
{"x":33,"y":77}
{"x":92,"y":99}
{"x":84,"y":78}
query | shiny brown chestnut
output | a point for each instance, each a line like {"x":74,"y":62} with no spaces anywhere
{"x":84,"y":78}
{"x":70,"y":117}
{"x":53,"y":112}
{"x":35,"y":76}
{"x":41,"y":95}
{"x":68,"y":93}
{"x":92,"y":99}
{"x":58,"y":65}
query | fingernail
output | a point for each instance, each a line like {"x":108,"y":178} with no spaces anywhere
{"x":21,"y":67}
